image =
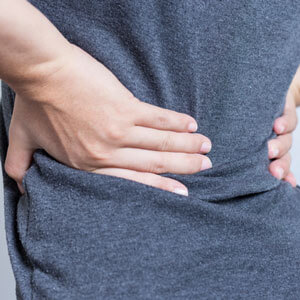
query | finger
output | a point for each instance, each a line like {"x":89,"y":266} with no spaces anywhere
{"x":163,"y":140}
{"x":18,"y":160}
{"x":285,"y":124}
{"x":155,"y":161}
{"x":291,"y":179}
{"x":279,"y":146}
{"x":153,"y":116}
{"x":281,"y":167}
{"x":288,"y":121}
{"x":151,"y":179}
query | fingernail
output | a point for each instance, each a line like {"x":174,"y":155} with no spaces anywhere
{"x":180,"y":191}
{"x":273,"y":152}
{"x":206,"y":164}
{"x":192,"y":127}
{"x":280,"y":128}
{"x":279,"y":172}
{"x":205,"y":147}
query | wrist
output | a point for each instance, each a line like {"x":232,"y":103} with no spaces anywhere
{"x":31,"y":46}
{"x":39,"y":75}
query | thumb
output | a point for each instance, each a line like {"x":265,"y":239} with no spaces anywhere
{"x":18,"y":158}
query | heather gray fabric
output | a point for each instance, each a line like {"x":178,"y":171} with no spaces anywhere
{"x":79,"y":235}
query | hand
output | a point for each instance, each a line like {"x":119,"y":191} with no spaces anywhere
{"x":85,"y":118}
{"x":280,"y":146}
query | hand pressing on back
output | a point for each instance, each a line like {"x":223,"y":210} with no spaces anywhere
{"x":83,"y":116}
{"x":284,"y":126}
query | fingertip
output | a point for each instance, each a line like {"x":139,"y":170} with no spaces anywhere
{"x":181,"y":191}
{"x":276,"y":170}
{"x":279,"y":127}
{"x":205,"y":147}
{"x":291,"y":179}
{"x":273,"y":150}
{"x":193,"y":126}
{"x":272,"y":170}
{"x":279,"y":172}
{"x":206,"y":163}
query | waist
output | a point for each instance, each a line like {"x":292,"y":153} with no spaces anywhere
{"x":224,"y":181}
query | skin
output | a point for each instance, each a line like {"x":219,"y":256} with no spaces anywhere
{"x":93,"y":122}
{"x":295,"y":87}
{"x":72,"y":106}
{"x":284,"y":126}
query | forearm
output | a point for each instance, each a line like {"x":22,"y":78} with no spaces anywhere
{"x":30,"y":44}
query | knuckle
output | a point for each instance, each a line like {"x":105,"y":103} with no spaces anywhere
{"x":101,"y":156}
{"x":157,"y":166}
{"x":166,"y":142}
{"x":95,"y":154}
{"x":162,"y":121}
{"x":115,"y":132}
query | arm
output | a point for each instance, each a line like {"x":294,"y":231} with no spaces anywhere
{"x":31,"y":47}
{"x":73,"y":107}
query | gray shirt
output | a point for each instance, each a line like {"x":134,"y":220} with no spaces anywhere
{"x":229,"y":65}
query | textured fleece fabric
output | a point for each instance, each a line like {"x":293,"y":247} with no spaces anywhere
{"x":228,"y":63}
